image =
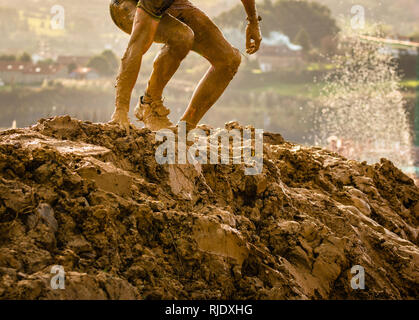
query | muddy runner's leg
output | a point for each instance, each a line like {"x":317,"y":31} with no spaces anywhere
{"x":207,"y":40}
{"x":176,"y":36}
{"x":178,"y":40}
{"x":142,"y":36}
{"x":224,"y":58}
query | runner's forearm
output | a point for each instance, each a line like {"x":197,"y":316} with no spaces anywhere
{"x":250,"y":7}
{"x":128,"y":74}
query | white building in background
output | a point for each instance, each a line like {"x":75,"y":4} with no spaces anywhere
{"x":278,"y":52}
{"x":278,"y":57}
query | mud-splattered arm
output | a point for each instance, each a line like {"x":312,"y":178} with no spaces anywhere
{"x":250,"y":7}
{"x":253,"y":34}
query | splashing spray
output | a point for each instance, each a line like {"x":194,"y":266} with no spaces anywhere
{"x":363,"y":113}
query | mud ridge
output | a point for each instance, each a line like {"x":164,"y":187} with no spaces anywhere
{"x":93,"y":200}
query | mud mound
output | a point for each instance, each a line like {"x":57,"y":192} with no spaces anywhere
{"x":93,"y":200}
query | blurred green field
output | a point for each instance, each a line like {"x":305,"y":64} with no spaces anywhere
{"x":300,"y":90}
{"x":410,"y":84}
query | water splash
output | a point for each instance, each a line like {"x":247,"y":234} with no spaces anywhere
{"x":363,"y":114}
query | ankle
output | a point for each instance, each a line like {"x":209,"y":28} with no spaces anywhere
{"x":120,"y":115}
{"x":148,"y":98}
{"x":122,"y":109}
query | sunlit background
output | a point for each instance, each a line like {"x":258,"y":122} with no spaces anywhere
{"x":342,"y":74}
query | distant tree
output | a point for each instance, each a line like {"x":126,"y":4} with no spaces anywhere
{"x":315,"y":18}
{"x":7,"y":57}
{"x":45,"y":62}
{"x":329,"y":45}
{"x":112,"y":59}
{"x":303,"y":39}
{"x":415,"y":37}
{"x":25,"y":57}
{"x":71,"y":67}
{"x":101,"y":65}
{"x":106,"y":64}
{"x":288,"y":17}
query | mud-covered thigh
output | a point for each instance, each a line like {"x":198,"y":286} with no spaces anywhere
{"x":209,"y":41}
{"x":181,"y":22}
{"x":172,"y":31}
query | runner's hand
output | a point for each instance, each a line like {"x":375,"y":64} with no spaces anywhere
{"x":253,"y":37}
{"x":120,"y":118}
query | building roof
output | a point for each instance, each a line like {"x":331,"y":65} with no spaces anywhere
{"x":49,"y":69}
{"x":16,"y":66}
{"x":29,"y":67}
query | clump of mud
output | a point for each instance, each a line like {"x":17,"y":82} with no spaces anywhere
{"x":93,"y":200}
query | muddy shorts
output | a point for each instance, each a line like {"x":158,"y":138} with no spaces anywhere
{"x":156,"y":8}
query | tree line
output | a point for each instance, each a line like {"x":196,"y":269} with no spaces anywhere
{"x":309,"y":24}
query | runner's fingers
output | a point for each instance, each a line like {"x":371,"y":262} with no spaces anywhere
{"x":248,"y":40}
{"x":252,"y":47}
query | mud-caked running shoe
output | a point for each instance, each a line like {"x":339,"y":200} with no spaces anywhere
{"x":153,"y":114}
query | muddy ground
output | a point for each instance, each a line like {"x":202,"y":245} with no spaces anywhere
{"x":93,"y":200}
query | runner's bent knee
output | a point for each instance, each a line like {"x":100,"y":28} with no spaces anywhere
{"x":229,"y":62}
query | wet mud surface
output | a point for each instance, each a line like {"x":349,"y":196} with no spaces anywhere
{"x":93,"y":200}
